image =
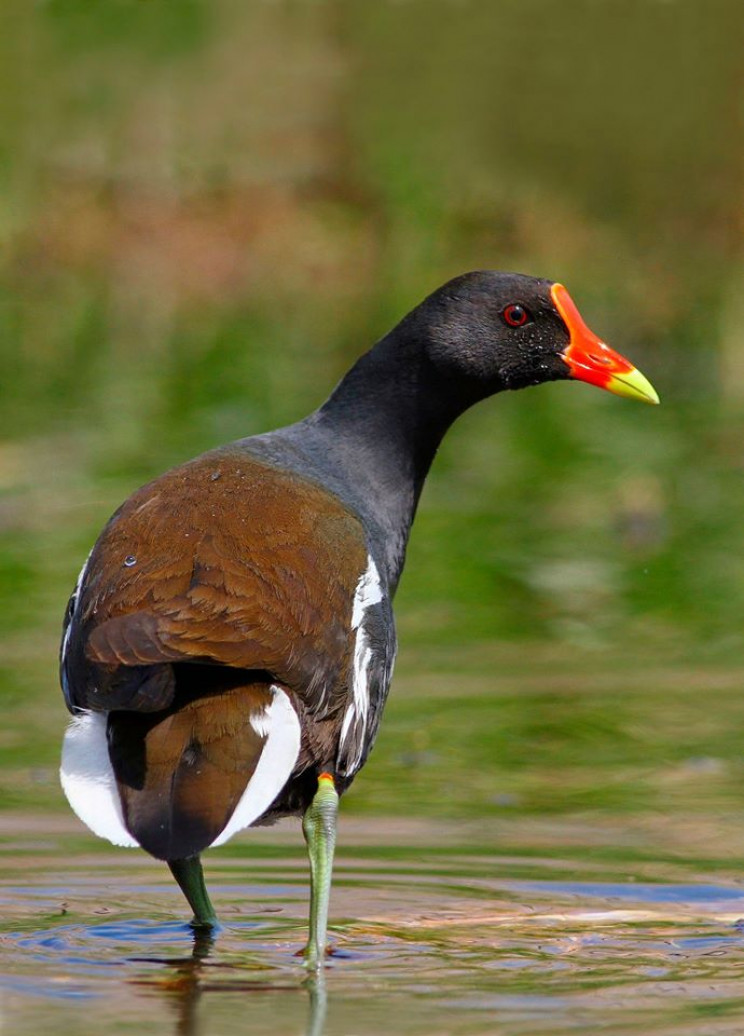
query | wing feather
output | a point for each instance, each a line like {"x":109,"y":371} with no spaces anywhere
{"x":255,"y":569}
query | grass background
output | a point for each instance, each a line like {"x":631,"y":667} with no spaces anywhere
{"x":209,"y":209}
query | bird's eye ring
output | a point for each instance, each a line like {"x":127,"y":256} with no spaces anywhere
{"x":515,"y":315}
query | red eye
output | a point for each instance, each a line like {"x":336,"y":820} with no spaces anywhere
{"x":515,"y":315}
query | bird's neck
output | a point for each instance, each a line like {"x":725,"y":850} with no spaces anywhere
{"x":386,"y":420}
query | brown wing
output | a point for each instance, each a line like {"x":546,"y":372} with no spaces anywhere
{"x":224,"y":560}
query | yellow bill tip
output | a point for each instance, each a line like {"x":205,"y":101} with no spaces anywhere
{"x":633,"y":385}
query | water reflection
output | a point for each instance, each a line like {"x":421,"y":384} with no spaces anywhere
{"x":190,"y":977}
{"x":185,"y":987}
{"x":317,"y":1004}
{"x":189,"y":980}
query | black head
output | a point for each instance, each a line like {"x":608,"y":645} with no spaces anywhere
{"x":487,"y":331}
{"x":500,"y":330}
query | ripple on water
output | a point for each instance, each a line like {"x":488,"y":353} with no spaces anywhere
{"x":443,"y":945}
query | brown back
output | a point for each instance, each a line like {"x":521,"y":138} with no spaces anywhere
{"x":224,"y":560}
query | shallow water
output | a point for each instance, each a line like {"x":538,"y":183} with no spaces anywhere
{"x":444,"y":934}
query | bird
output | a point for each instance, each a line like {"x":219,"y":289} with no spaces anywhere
{"x":229,"y":645}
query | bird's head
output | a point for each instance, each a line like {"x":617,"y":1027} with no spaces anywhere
{"x":491,"y":331}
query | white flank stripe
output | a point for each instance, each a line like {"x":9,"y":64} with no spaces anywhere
{"x":282,"y":728}
{"x":75,"y":593}
{"x":362,"y":661}
{"x":88,"y":778}
{"x":349,"y":715}
{"x":368,"y":593}
{"x":356,"y":714}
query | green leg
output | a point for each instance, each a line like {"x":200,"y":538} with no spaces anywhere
{"x":319,"y":828}
{"x":190,"y":877}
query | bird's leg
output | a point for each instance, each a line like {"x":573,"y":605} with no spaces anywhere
{"x":319,"y":828}
{"x":190,"y":877}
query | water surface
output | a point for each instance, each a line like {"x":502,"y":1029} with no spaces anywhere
{"x":454,"y":931}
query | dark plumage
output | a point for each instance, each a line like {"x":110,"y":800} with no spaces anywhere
{"x":229,"y":645}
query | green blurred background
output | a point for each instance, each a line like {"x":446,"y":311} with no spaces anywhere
{"x":209,"y":209}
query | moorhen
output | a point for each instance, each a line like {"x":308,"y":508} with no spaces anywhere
{"x":229,"y":644}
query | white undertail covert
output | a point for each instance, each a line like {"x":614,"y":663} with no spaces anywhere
{"x":89,"y":782}
{"x":280,"y":725}
{"x":88,"y":779}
